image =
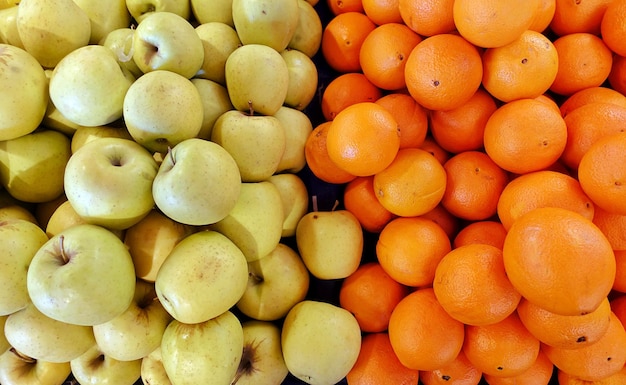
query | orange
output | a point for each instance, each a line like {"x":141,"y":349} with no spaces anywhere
{"x":428,"y":17}
{"x":412,"y":185}
{"x":613,"y":226}
{"x":618,"y":378}
{"x":565,"y":331}
{"x":617,"y":76}
{"x":448,"y":222}
{"x":345,"y":90}
{"x":539,"y":373}
{"x":342,"y":39}
{"x":458,"y":372}
{"x":471,"y":285}
{"x":613,"y":30}
{"x":493,"y":23}
{"x":543,"y":15}
{"x":544,"y":188}
{"x":473,"y":186}
{"x":363,"y":139}
{"x":409,"y":250}
{"x":384,"y":53}
{"x":371,"y":295}
{"x":443,"y":71}
{"x":524,"y":68}
{"x":377,"y":364}
{"x":488,"y":232}
{"x":431,"y":146}
{"x":422,"y":334}
{"x":619,"y":285}
{"x":578,"y":16}
{"x":360,"y":199}
{"x":588,"y":123}
{"x":317,"y":158}
{"x":462,"y":128}
{"x":559,"y":260}
{"x":501,"y":349}
{"x":382,"y":11}
{"x":599,"y":94}
{"x":593,"y":362}
{"x":525,"y":135}
{"x":340,"y":6}
{"x":411,"y":117}
{"x":584,"y":61}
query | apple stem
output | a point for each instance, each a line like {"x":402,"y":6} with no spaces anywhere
{"x":23,"y":357}
{"x":314,"y":200}
{"x":335,"y":205}
{"x":251,"y":110}
{"x":63,"y":255}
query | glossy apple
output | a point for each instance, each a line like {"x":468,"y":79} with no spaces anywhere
{"x":17,"y":212}
{"x":308,"y":35}
{"x":297,"y":127}
{"x":219,"y":41}
{"x":17,"y":368}
{"x":8,"y":27}
{"x":95,"y":367}
{"x":152,"y":370}
{"x":215,"y":102}
{"x":215,"y":10}
{"x":295,"y":198}
{"x":140,"y":9}
{"x":105,"y":16}
{"x":302,"y":79}
{"x":86,"y":134}
{"x":271,"y":23}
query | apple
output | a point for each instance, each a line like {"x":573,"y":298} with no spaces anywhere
{"x":17,"y":368}
{"x":138,"y":331}
{"x":161,"y":109}
{"x":120,"y":41}
{"x":8,"y":27}
{"x":308,"y":35}
{"x":256,"y":142}
{"x":295,"y":198}
{"x":302,"y":79}
{"x":320,"y":342}
{"x":203,"y":276}
{"x":152,"y":370}
{"x":95,"y":367}
{"x":87,"y":134}
{"x":43,"y":338}
{"x":62,"y":218}
{"x":330,"y":243}
{"x":276,"y":283}
{"x":4,"y":344}
{"x":297,"y":127}
{"x":17,"y":212}
{"x":25,"y":92}
{"x":214,"y":10}
{"x":198,"y":183}
{"x":19,"y":242}
{"x":203,"y":353}
{"x":54,"y":119}
{"x":167,"y":41}
{"x":219,"y":41}
{"x":262,"y":362}
{"x":44,"y":210}
{"x":271,"y":23}
{"x":215,"y":102}
{"x":105,"y":16}
{"x":83,"y":275}
{"x":140,"y":9}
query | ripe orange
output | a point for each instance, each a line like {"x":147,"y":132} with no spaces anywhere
{"x":443,"y":71}
{"x":539,"y":373}
{"x":584,"y":61}
{"x":317,"y":158}
{"x":377,"y":364}
{"x":543,"y":15}
{"x":525,"y":135}
{"x":619,"y":285}
{"x":412,"y":185}
{"x":578,"y":16}
{"x":340,"y":6}
{"x":488,"y":232}
{"x":612,"y":28}
{"x":559,"y":260}
{"x":345,"y":90}
{"x":524,"y":68}
{"x":371,"y":295}
{"x":613,"y":226}
{"x":474,"y":184}
{"x":428,"y":17}
{"x":458,"y":372}
{"x":412,"y":118}
{"x":471,"y":285}
{"x":360,"y":199}
{"x":363,"y":139}
{"x":448,"y":222}
{"x":600,"y":94}
{"x":409,"y":250}
{"x":384,"y":53}
{"x":422,"y":334}
{"x":342,"y":39}
{"x":501,"y":349}
{"x":617,"y":76}
{"x":493,"y":23}
{"x":433,"y":147}
{"x":382,"y":11}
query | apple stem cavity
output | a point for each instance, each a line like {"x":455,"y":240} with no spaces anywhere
{"x":249,"y":358}
{"x":22,"y":356}
{"x":171,"y":154}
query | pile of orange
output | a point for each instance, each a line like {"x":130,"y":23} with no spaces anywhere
{"x":483,"y":144}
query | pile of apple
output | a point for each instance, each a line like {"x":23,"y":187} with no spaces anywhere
{"x":149,"y":159}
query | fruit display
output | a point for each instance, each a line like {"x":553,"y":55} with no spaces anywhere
{"x":322,"y":192}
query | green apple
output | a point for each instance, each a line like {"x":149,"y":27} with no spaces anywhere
{"x":295,"y":198}
{"x":151,"y":240}
{"x":83,"y":275}
{"x":25,"y":92}
{"x":109,"y":182}
{"x":276,"y":283}
{"x":308,"y":36}
{"x":49,"y":30}
{"x":16,"y":211}
{"x":214,"y":10}
{"x":138,"y":331}
{"x":257,"y":79}
{"x":120,"y":41}
{"x":43,"y":338}
{"x":320,"y":342}
{"x":302,"y":79}
{"x":198,"y":183}
{"x":167,"y":41}
{"x":271,"y":23}
{"x":53,"y":118}
{"x":19,"y":242}
{"x":256,"y":142}
{"x":105,"y":16}
{"x":152,"y":370}
{"x":219,"y":41}
{"x":87,"y":134}
{"x":330,"y":243}
{"x":161,"y":109}
{"x":17,"y":368}
{"x":62,"y":218}
{"x":204,"y":275}
{"x":4,"y":344}
{"x":88,"y":86}
{"x":215,"y":102}
{"x":95,"y":367}
{"x":255,"y":224}
{"x":262,"y":362}
{"x":140,"y":9}
{"x":44,"y":210}
{"x":32,"y":166}
{"x":297,"y":127}
{"x":8,"y":27}
{"x":204,"y":353}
